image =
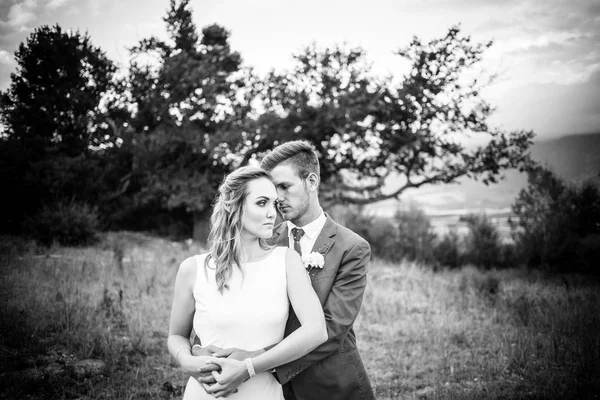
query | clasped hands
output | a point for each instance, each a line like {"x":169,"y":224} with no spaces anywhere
{"x":224,"y":369}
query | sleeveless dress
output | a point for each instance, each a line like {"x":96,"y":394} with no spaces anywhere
{"x":250,"y":315}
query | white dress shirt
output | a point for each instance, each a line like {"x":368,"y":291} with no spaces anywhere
{"x":311,"y":232}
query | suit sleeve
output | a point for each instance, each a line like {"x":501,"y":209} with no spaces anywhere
{"x":341,"y":309}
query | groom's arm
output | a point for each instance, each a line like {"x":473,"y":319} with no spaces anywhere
{"x":341,"y":309}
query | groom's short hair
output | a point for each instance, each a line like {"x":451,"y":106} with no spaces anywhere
{"x":301,"y":154}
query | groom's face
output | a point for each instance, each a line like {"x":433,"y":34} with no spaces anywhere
{"x":292,"y":192}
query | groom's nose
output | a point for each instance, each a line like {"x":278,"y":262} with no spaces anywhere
{"x":279,"y":195}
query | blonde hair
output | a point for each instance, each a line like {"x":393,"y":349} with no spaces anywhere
{"x":224,"y":239}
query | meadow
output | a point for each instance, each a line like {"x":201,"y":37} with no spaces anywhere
{"x":450,"y":334}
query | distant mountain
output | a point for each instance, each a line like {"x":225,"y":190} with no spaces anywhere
{"x":573,"y":158}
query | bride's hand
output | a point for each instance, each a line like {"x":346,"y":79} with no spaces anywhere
{"x":233,"y":373}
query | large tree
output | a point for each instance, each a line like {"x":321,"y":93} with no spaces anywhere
{"x":367,"y":129}
{"x":54,"y":97}
{"x":52,"y":122}
{"x":189,"y":104}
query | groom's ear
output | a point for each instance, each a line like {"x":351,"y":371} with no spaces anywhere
{"x":313,"y":182}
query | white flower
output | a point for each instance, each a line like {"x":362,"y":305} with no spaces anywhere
{"x":313,"y":260}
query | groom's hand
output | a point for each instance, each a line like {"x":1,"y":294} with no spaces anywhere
{"x":205,"y":374}
{"x":205,"y":351}
{"x":237,"y":354}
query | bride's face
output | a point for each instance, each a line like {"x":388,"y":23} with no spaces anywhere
{"x":258,"y":216}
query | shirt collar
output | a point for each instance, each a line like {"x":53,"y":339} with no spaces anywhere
{"x":312,"y":229}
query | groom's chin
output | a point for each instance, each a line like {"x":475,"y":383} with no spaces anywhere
{"x":287,"y":215}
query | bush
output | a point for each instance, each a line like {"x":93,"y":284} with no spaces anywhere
{"x":588,"y":254}
{"x":448,"y":251}
{"x":381,"y":233}
{"x":557,"y":224}
{"x":415,"y":237}
{"x":68,"y":223}
{"x":406,"y":236}
{"x":483,"y":246}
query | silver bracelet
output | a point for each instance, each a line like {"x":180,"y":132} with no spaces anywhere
{"x":250,"y":367}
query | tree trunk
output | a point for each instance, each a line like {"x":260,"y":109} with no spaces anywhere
{"x":202,"y":225}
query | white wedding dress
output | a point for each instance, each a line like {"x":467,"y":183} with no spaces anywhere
{"x":250,"y":315}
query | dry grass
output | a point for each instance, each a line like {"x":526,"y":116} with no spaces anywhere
{"x":451,"y":334}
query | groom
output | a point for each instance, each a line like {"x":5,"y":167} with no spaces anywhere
{"x":334,"y":370}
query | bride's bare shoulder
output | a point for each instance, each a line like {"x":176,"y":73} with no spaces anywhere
{"x":187,"y":269}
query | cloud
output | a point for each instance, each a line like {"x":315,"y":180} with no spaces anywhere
{"x":21,"y":14}
{"x":549,"y":41}
{"x":550,"y":108}
{"x":6,"y":58}
{"x":54,"y":4}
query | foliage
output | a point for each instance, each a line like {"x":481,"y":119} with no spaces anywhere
{"x":381,"y":233}
{"x":52,"y":122}
{"x":415,"y":237}
{"x":557,"y":224}
{"x":53,"y":100}
{"x":367,"y":129}
{"x":449,"y":250}
{"x":66,"y":222}
{"x":188,"y":104}
{"x":407,"y":236}
{"x":483,"y":247}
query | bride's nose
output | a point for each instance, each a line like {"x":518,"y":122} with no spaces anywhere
{"x":271,"y":212}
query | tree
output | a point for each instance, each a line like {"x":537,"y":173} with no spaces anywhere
{"x":189,"y":103}
{"x":557,"y":225}
{"x":415,"y":237}
{"x":54,"y":97}
{"x":369,"y":129}
{"x":483,"y":245}
{"x":53,"y":120}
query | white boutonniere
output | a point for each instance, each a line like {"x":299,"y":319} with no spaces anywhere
{"x":313,"y":260}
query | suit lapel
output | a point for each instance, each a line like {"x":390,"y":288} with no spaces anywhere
{"x":323,"y":243}
{"x":280,"y":236}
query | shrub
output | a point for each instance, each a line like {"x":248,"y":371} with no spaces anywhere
{"x":483,"y":246}
{"x":406,"y":236}
{"x":381,"y":233}
{"x":66,"y":222}
{"x":556,"y":223}
{"x":415,"y":237}
{"x":588,"y":254}
{"x":448,"y":251}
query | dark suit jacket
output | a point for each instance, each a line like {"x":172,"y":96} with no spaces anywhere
{"x":333,"y":370}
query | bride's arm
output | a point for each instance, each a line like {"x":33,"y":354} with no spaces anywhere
{"x":182,"y":315}
{"x":307,"y":307}
{"x":309,"y":336}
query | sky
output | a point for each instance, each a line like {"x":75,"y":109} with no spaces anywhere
{"x":546,"y":52}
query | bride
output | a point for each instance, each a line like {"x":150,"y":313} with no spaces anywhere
{"x":238,"y":295}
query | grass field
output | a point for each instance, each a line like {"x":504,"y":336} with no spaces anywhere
{"x":447,"y":335}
